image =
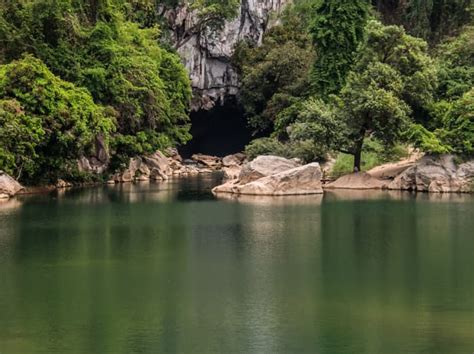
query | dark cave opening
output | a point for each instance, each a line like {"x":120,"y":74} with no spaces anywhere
{"x":220,"y":131}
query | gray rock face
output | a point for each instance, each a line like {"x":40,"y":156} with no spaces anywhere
{"x":159,"y":167}
{"x":234,"y":160}
{"x":95,"y":164}
{"x":302,"y":180}
{"x":437,"y":174}
{"x":8,"y":186}
{"x":154,"y":167}
{"x":263,"y":166}
{"x":207,"y":55}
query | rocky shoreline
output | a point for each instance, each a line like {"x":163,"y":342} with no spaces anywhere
{"x":276,"y":176}
{"x":154,"y":167}
{"x":271,"y":175}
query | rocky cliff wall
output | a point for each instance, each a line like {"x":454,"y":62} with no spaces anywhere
{"x":207,"y":55}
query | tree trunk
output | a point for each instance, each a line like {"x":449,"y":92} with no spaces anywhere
{"x":358,"y":155}
{"x":357,"y":160}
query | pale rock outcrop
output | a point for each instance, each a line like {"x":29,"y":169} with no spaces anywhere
{"x":159,"y":162}
{"x":159,"y":167}
{"x":438,"y":174}
{"x":155,"y":167}
{"x":207,"y":54}
{"x":263,"y":166}
{"x":212,"y":162}
{"x":393,"y":169}
{"x":231,"y":172}
{"x":8,"y":186}
{"x":232,"y":165}
{"x":98,"y":163}
{"x":359,"y":180}
{"x":61,"y":184}
{"x":301,"y":180}
{"x":173,"y":154}
{"x":234,"y":159}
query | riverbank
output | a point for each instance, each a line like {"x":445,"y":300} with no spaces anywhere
{"x":156,"y":167}
{"x":272,"y":175}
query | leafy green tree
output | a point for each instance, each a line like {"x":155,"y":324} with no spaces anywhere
{"x":337,"y":28}
{"x":61,"y":120}
{"x":451,"y":126}
{"x":20,"y":134}
{"x":393,"y":76}
{"x":454,"y":132}
{"x":455,"y":59}
{"x":458,"y":125}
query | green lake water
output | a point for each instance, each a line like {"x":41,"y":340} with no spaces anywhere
{"x":164,"y":268}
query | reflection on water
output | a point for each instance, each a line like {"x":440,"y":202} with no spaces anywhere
{"x":167,"y":267}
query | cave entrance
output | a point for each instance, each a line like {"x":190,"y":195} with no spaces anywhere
{"x":219,"y":132}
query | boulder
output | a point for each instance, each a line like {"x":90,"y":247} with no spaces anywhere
{"x":173,"y":154}
{"x":8,"y":186}
{"x":60,"y":184}
{"x":359,"y":180}
{"x":157,"y":175}
{"x":390,"y":170}
{"x":155,"y":167}
{"x":98,"y":163}
{"x":101,"y":152}
{"x":91,"y":165}
{"x":300,"y":180}
{"x":234,"y":160}
{"x":264,"y":166}
{"x":175,"y":165}
{"x":213,"y":162}
{"x":437,"y":174}
{"x":158,"y":161}
{"x":232,"y":172}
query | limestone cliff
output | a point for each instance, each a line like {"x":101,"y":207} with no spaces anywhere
{"x":207,"y":55}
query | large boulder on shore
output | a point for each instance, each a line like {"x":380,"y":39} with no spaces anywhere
{"x":155,"y":167}
{"x":295,"y":181}
{"x":263,"y":166}
{"x":438,"y":174}
{"x":8,"y":186}
{"x":232,"y":165}
{"x":359,"y":180}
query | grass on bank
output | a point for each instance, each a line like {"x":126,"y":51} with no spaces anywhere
{"x":373,"y":154}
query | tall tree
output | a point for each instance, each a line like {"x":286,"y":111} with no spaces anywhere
{"x":393,"y":76}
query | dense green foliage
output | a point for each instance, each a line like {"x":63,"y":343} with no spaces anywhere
{"x":428,"y":19}
{"x":90,"y":44}
{"x":337,"y":28}
{"x":386,"y":85}
{"x":276,"y":73}
{"x":393,"y":77}
{"x":46,"y":123}
{"x":327,"y":78}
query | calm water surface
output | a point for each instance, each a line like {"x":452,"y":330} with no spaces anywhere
{"x":157,"y":268}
